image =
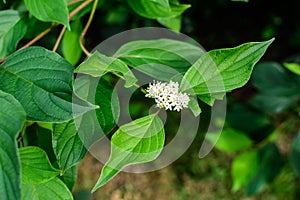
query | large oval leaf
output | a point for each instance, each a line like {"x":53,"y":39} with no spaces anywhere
{"x":12,"y":118}
{"x":223,"y":70}
{"x":52,"y":189}
{"x":139,"y":141}
{"x":41,"y":81}
{"x":36,"y":167}
{"x":49,"y":11}
{"x":12,"y":29}
{"x":162,"y":59}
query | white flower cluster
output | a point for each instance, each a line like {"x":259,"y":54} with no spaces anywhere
{"x":167,"y":95}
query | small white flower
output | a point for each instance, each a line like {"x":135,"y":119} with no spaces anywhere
{"x":167,"y":95}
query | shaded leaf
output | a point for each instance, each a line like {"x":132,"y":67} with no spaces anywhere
{"x":12,"y":118}
{"x":139,"y":141}
{"x":275,"y":99}
{"x":295,"y":155}
{"x":270,"y":164}
{"x":12,"y":29}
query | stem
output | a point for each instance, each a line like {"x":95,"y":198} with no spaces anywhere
{"x":86,"y":28}
{"x":136,"y":85}
{"x":59,"y":38}
{"x":73,"y":2}
{"x":80,"y":7}
{"x":42,"y":34}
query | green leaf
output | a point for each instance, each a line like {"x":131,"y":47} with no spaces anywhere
{"x":295,"y":155}
{"x":243,"y":168}
{"x":72,"y":139}
{"x":98,"y":65}
{"x":155,"y":9}
{"x":270,"y":98}
{"x":173,"y":23}
{"x":270,"y":164}
{"x":162,"y":59}
{"x":41,"y":81}
{"x":70,"y":43}
{"x":101,"y":93}
{"x":293,"y":67}
{"x":12,"y":118}
{"x":223,"y":70}
{"x":230,"y":140}
{"x":12,"y":30}
{"x":67,"y":145}
{"x":194,"y":106}
{"x":139,"y":141}
{"x":70,"y":177}
{"x":36,"y":167}
{"x":52,"y":189}
{"x":49,"y":11}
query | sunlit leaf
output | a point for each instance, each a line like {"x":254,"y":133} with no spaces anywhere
{"x":139,"y":141}
{"x":230,"y":140}
{"x":244,"y":168}
{"x":161,"y":59}
{"x":36,"y":167}
{"x":49,"y":11}
{"x":223,"y":70}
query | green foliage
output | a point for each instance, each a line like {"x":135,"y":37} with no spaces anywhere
{"x":98,"y":65}
{"x":70,"y":43}
{"x":139,"y":141}
{"x":243,"y":168}
{"x":12,"y":29}
{"x":161,"y":59}
{"x":12,"y":118}
{"x":213,"y":72}
{"x":46,"y":97}
{"x":230,"y":140}
{"x":49,"y":11}
{"x":275,"y":99}
{"x":295,"y":154}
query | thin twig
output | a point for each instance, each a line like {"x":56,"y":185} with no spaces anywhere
{"x":80,"y":7}
{"x":42,"y":34}
{"x":59,"y":38}
{"x":86,"y":29}
{"x":73,"y":2}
